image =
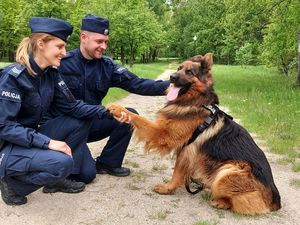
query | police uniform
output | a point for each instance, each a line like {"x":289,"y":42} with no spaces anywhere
{"x":25,"y":159}
{"x":90,"y":80}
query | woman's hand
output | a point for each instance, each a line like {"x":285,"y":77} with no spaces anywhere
{"x":60,"y":146}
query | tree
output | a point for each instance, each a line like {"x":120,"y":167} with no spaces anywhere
{"x":244,"y":22}
{"x":202,"y":19}
{"x":134,"y":28}
{"x":9,"y":28}
{"x":281,"y":36}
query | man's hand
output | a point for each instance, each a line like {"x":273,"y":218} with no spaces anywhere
{"x":119,"y":112}
{"x":60,"y":146}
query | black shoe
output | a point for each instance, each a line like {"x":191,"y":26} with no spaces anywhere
{"x":118,"y":171}
{"x":66,"y":186}
{"x":9,"y":196}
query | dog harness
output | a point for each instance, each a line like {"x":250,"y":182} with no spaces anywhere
{"x":214,"y":111}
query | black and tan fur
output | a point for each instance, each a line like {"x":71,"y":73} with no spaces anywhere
{"x":224,"y":157}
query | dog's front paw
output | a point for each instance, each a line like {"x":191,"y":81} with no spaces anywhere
{"x":115,"y":109}
{"x":163,"y":189}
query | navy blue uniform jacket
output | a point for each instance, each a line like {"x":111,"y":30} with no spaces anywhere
{"x":25,"y":99}
{"x":89,"y":80}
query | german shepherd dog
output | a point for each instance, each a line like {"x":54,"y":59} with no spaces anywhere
{"x":209,"y":146}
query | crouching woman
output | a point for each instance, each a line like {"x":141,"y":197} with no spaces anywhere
{"x":32,"y":154}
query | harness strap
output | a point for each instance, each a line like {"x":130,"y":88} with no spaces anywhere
{"x":214,"y":110}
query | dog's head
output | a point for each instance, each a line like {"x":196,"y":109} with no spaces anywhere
{"x":194,"y":73}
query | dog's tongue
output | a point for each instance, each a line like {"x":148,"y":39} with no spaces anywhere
{"x":173,"y":92}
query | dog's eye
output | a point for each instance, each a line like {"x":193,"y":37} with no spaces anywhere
{"x":189,"y":72}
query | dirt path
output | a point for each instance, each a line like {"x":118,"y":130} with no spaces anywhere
{"x":111,"y":200}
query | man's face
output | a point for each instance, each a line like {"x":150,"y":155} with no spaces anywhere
{"x":93,"y":44}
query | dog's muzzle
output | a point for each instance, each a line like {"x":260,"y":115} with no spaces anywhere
{"x":174,"y":77}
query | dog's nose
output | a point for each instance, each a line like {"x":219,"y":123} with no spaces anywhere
{"x":174,"y":77}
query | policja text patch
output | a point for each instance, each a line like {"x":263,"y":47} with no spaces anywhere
{"x":10,"y":95}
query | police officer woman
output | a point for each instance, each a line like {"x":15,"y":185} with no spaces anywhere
{"x":32,"y":154}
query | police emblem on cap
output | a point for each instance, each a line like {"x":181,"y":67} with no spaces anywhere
{"x":106,"y":32}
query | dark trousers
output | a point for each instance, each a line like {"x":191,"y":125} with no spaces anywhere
{"x":119,"y":136}
{"x":29,"y":169}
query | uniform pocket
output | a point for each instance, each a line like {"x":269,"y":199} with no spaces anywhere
{"x":19,"y":160}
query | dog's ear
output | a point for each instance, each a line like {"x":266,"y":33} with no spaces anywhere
{"x":209,"y":60}
{"x":197,"y":58}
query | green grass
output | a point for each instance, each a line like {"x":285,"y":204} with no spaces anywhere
{"x":206,"y":222}
{"x":149,"y":71}
{"x":267,"y":103}
{"x":4,"y":64}
{"x":295,"y":183}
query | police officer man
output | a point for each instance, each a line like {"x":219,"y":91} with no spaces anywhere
{"x":89,"y":75}
{"x":34,"y":155}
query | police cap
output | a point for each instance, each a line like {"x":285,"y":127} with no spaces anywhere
{"x":93,"y":23}
{"x":56,"y":27}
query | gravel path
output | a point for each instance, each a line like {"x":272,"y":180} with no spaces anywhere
{"x":130,"y":200}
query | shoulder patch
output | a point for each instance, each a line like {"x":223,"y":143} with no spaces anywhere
{"x":16,"y":70}
{"x":62,"y":84}
{"x":121,"y":69}
{"x":10,"y":95}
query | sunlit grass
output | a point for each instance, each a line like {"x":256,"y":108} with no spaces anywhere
{"x":267,"y":103}
{"x":4,"y":64}
{"x":149,"y":71}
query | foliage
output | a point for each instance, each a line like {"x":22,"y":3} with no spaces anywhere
{"x":135,"y":29}
{"x":245,"y":55}
{"x":196,"y":18}
{"x":235,"y":31}
{"x":280,"y":41}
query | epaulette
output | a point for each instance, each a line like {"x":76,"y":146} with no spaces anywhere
{"x":107,"y":59}
{"x":16,"y":70}
{"x":68,"y":55}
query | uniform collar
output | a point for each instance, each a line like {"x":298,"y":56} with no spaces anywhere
{"x":82,"y":57}
{"x":35,"y":67}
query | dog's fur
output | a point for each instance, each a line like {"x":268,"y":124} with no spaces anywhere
{"x":224,"y":157}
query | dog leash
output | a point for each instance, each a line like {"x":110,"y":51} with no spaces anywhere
{"x":188,"y":181}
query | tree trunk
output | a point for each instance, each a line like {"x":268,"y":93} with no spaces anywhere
{"x":11,"y":56}
{"x":122,"y":55}
{"x":298,"y":78}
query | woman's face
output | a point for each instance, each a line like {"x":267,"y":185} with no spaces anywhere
{"x":52,"y":52}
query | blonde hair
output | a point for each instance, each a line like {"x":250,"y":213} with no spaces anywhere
{"x":29,"y":46}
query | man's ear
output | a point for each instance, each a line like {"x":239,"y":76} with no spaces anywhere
{"x":209,"y":60}
{"x":83,"y":36}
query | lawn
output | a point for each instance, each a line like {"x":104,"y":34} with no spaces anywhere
{"x":267,"y":103}
{"x":3,"y":64}
{"x":150,"y":71}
